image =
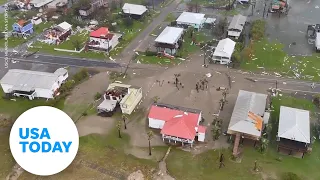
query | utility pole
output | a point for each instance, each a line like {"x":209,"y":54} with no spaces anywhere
{"x":264,"y":9}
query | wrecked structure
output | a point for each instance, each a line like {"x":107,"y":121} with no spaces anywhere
{"x":58,"y":34}
{"x":123,"y":95}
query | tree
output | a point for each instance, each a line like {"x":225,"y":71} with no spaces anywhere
{"x":150,"y":136}
{"x":76,"y":44}
{"x":221,"y":26}
{"x":216,"y":128}
{"x":124,"y":118}
{"x":155,"y":99}
{"x":263,"y":144}
{"x":114,"y":5}
{"x":119,"y":128}
{"x":128,"y":22}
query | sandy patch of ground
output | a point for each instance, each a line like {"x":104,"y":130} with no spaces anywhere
{"x":83,"y":94}
{"x":136,"y":176}
{"x":94,"y":125}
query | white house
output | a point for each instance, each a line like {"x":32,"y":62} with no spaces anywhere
{"x":236,"y":26}
{"x":177,"y":123}
{"x":33,"y":84}
{"x":134,"y":9}
{"x":127,"y":96}
{"x":294,"y":130}
{"x":102,"y":39}
{"x":224,"y":51}
{"x":168,"y":40}
{"x":195,"y":20}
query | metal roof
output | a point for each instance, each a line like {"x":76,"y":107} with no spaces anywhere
{"x":65,"y":26}
{"x":25,"y":80}
{"x":247,"y":102}
{"x":191,"y":18}
{"x":169,"y":35}
{"x":237,"y":22}
{"x":135,"y":9}
{"x":225,"y":48}
{"x":294,"y":124}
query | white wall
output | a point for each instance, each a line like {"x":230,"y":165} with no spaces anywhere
{"x":6,"y":88}
{"x":103,"y":42}
{"x":201,"y":137}
{"x":63,"y":78}
{"x":44,"y":93}
{"x":156,"y":123}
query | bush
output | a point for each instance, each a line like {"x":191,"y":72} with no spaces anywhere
{"x":316,"y":100}
{"x":97,"y":96}
{"x":258,"y":29}
{"x":150,"y":53}
{"x":290,"y":176}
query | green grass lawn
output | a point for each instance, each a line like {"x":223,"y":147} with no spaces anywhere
{"x":82,"y":37}
{"x":269,"y":56}
{"x":130,"y":33}
{"x":183,"y":165}
{"x":105,"y":151}
{"x":170,"y":17}
{"x":188,"y":47}
{"x":15,"y":108}
{"x":7,"y":161}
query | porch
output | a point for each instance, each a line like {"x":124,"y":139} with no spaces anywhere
{"x":291,"y":147}
{"x":177,"y":139}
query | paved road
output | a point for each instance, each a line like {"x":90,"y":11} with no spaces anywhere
{"x":128,"y":52}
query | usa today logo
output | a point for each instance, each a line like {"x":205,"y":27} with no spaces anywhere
{"x":44,"y":140}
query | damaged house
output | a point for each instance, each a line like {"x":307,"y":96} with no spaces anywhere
{"x":85,"y":11}
{"x":58,"y":34}
{"x":248,"y":118}
{"x":123,"y":95}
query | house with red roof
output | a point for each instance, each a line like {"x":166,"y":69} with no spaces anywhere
{"x":103,"y":40}
{"x":177,"y":124}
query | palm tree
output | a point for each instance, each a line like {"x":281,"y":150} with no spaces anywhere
{"x":263,"y":144}
{"x":155,"y":99}
{"x":124,"y":118}
{"x":150,"y":136}
{"x":119,"y":128}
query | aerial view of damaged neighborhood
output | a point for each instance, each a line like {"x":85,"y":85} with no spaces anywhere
{"x":168,"y":89}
